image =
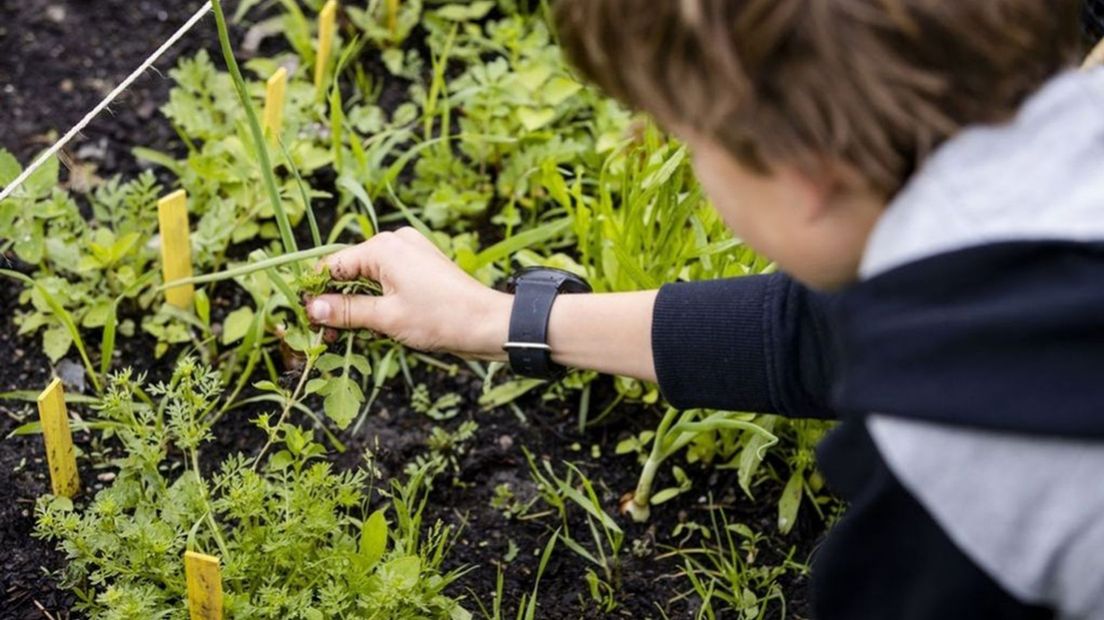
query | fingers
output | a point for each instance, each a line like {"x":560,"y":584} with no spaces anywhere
{"x":360,"y":261}
{"x":348,"y":312}
{"x":366,"y":260}
{"x":417,"y":239}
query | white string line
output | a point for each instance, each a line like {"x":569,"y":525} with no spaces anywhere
{"x":125,"y":84}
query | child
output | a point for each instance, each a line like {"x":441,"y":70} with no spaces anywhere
{"x":933,"y":164}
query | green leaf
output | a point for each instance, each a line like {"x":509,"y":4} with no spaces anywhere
{"x":97,"y":314}
{"x":56,"y":342}
{"x":343,"y":400}
{"x":280,"y":461}
{"x":533,"y":118}
{"x":665,"y":495}
{"x":316,"y":385}
{"x":403,"y":573}
{"x":202,"y":305}
{"x":268,"y":386}
{"x":627,"y":446}
{"x":44,"y":179}
{"x":30,"y":428}
{"x":361,"y":363}
{"x":508,"y":392}
{"x":393,"y":60}
{"x":560,"y":89}
{"x":330,"y":362}
{"x":533,"y":77}
{"x":237,"y":324}
{"x":157,"y":157}
{"x":31,"y":246}
{"x":790,"y":502}
{"x":462,"y":13}
{"x":373,"y":540}
{"x":9,"y":168}
{"x":665,"y":172}
{"x":751,"y":457}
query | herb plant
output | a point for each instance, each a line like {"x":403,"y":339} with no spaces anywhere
{"x":296,"y":538}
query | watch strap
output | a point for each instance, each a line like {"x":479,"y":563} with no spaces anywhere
{"x":528,"y":348}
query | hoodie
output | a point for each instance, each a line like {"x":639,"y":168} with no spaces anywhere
{"x":965,"y":368}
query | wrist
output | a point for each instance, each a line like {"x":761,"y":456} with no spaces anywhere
{"x":491,"y":329}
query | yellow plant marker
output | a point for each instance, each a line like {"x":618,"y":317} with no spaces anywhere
{"x":393,"y":17}
{"x":176,"y":249}
{"x":274,"y":103}
{"x":204,"y":586}
{"x":326,"y":24}
{"x":60,"y":454}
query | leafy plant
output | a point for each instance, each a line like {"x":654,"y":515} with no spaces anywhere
{"x":289,"y":530}
{"x":728,"y":575}
{"x":676,"y":431}
{"x":81,"y":270}
{"x":606,"y":538}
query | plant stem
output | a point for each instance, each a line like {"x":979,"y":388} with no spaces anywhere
{"x":258,"y":134}
{"x":640,"y":506}
{"x":193,"y":456}
{"x":294,"y":398}
{"x":316,"y":236}
{"x":261,"y":265}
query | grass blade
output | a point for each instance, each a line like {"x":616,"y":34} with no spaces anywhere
{"x":262,"y":265}
{"x":259,"y":143}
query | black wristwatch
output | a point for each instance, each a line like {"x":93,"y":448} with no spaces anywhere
{"x":535,"y":290}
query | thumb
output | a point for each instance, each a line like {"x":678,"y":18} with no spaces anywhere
{"x":345,"y":311}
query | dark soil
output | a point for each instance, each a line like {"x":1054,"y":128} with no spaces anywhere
{"x":60,"y":58}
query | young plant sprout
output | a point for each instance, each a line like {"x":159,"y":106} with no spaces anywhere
{"x":675,"y":432}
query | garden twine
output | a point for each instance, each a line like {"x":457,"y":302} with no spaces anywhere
{"x":125,"y":84}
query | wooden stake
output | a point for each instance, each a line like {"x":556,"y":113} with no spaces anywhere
{"x":176,"y":249}
{"x":60,"y":454}
{"x":326,"y":25}
{"x":204,"y":586}
{"x":274,"y":103}
{"x":393,"y":17}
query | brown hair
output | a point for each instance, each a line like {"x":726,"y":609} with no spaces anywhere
{"x":874,"y":84}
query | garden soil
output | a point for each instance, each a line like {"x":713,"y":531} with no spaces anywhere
{"x":57,"y":59}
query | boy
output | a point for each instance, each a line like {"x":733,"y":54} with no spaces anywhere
{"x":932,"y":163}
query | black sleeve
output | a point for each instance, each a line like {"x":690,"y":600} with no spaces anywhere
{"x":757,"y":343}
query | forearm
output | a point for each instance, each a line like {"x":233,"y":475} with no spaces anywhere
{"x":610,"y":333}
{"x":757,"y":343}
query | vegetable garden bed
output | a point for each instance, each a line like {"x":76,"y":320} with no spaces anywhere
{"x":525,"y":480}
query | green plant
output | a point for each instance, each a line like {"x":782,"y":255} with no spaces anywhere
{"x":728,"y":575}
{"x":81,"y":270}
{"x":803,"y":481}
{"x":606,"y":538}
{"x":444,"y":450}
{"x":676,"y":431}
{"x":508,"y":503}
{"x":289,"y":531}
{"x":528,"y":604}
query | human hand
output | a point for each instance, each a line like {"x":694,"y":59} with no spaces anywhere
{"x":428,"y":303}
